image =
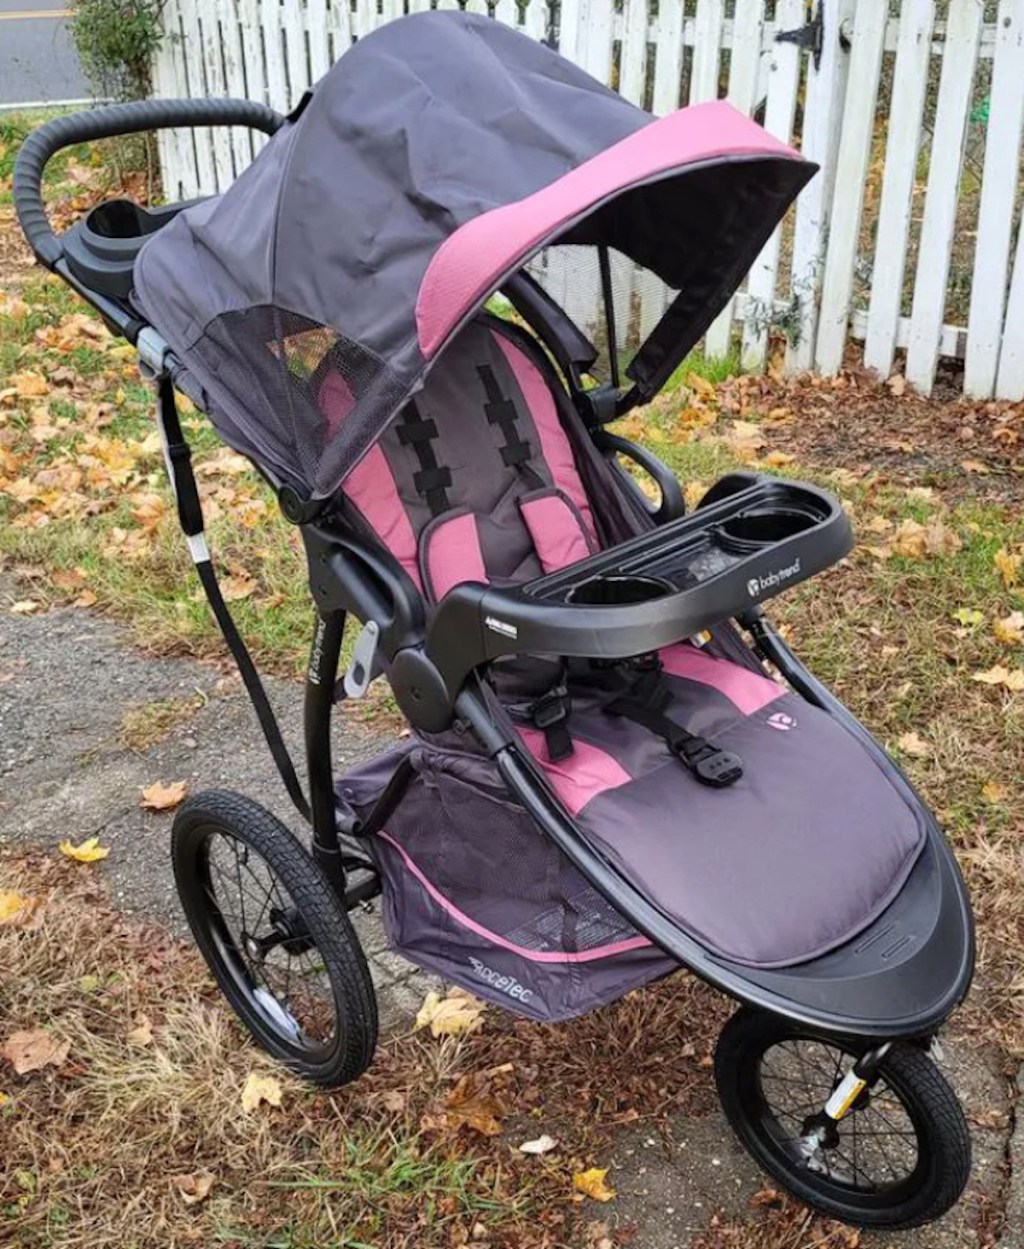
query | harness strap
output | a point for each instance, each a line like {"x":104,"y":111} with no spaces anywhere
{"x":433,"y":480}
{"x":190,"y":517}
{"x":646,"y":703}
{"x":501,"y":411}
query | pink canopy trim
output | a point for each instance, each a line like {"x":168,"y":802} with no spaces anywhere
{"x":472,"y":261}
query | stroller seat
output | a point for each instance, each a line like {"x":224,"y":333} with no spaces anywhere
{"x":806,"y":849}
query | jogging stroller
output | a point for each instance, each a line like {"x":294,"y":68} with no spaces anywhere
{"x":617,"y":767}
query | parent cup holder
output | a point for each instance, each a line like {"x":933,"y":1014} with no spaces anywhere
{"x":618,"y":591}
{"x":759,"y":527}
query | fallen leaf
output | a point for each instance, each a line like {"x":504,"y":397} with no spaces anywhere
{"x":4,"y":1099}
{"x":33,"y":1049}
{"x":455,"y":1015}
{"x":1008,"y":566}
{"x":29,"y":385}
{"x":993,"y":791}
{"x":911,"y":744}
{"x":259,"y":1089}
{"x":142,"y":1034}
{"x":25,"y":607}
{"x":474,"y":1103}
{"x":975,"y":466}
{"x":916,"y":541}
{"x":237,"y":587}
{"x":394,"y":1100}
{"x":1010,"y":629}
{"x":16,"y":909}
{"x":542,"y":1145}
{"x":161,"y":797}
{"x":1011,"y":678}
{"x":969,"y":617}
{"x":592,"y":1184}
{"x":777,"y":459}
{"x":90,"y":851}
{"x":194,"y":1187}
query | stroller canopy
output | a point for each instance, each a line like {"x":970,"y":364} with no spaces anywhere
{"x":431,"y":163}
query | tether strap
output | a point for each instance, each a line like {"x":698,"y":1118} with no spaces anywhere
{"x":501,"y":411}
{"x":646,"y":703}
{"x":432,"y":481}
{"x":190,"y":517}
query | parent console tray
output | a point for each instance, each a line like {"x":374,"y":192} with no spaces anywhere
{"x":750,"y":538}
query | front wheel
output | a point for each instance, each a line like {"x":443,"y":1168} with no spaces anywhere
{"x":275,"y":936}
{"x":899,"y":1158}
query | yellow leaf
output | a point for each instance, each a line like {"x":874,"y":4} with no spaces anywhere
{"x":777,"y":459}
{"x":161,"y":797}
{"x":1008,"y":566}
{"x":29,"y":385}
{"x":911,"y":744}
{"x":16,"y":909}
{"x":194,"y":1187}
{"x":142,"y":1034}
{"x":1011,"y":678}
{"x":1010,"y":629}
{"x":259,"y":1089}
{"x":993,"y":791}
{"x":969,"y":617}
{"x":33,"y":1049}
{"x":915,"y":541}
{"x":592,"y":1184}
{"x":4,"y":1099}
{"x":455,"y":1015}
{"x":90,"y":851}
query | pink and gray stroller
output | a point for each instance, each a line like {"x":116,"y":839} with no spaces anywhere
{"x":415,"y":313}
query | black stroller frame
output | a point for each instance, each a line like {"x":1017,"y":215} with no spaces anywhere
{"x":894,"y":983}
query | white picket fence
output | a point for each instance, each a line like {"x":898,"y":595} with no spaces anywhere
{"x":903,"y":242}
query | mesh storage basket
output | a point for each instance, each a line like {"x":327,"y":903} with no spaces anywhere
{"x":475,"y":891}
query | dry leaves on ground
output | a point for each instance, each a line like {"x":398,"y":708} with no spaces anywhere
{"x":89,"y":851}
{"x":1010,"y":678}
{"x":195,"y":1187}
{"x":456,"y":1014}
{"x":542,"y":1145}
{"x":15,"y":909}
{"x":476,"y":1101}
{"x":33,"y":1049}
{"x":161,"y":797}
{"x":911,"y":744}
{"x":593,"y":1184}
{"x":260,"y":1089}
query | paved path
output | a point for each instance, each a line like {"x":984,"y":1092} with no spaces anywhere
{"x":66,"y":680}
{"x":37,"y":60}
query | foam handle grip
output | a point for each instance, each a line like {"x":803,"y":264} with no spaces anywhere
{"x":105,"y":123}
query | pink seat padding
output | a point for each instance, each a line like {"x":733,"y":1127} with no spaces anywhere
{"x":554,"y":444}
{"x":587,"y":772}
{"x":555,"y":530}
{"x":371,"y":487}
{"x":453,"y":554}
{"x":746,"y":689}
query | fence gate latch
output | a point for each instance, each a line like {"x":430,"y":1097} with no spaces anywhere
{"x":810,"y":36}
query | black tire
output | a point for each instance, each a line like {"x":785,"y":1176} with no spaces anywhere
{"x":909,"y":1120}
{"x":300,"y":924}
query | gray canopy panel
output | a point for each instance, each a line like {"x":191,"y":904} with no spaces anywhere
{"x":435,"y":158}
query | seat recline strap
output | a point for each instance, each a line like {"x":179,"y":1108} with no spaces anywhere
{"x":646,"y":703}
{"x":432,"y":481}
{"x":190,"y":517}
{"x":501,"y":411}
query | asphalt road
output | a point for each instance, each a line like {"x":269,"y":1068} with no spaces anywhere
{"x":37,"y":60}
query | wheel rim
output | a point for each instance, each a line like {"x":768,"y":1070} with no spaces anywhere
{"x":871,"y":1158}
{"x":261,"y":941}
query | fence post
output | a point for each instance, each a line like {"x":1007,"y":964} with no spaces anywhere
{"x":848,"y":198}
{"x":780,"y":110}
{"x":823,"y":120}
{"x":963,"y":33}
{"x":995,"y":218}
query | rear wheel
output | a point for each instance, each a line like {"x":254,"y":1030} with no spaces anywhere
{"x":279,"y":943}
{"x":900,"y":1157}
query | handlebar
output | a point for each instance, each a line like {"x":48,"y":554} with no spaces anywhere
{"x":105,"y":123}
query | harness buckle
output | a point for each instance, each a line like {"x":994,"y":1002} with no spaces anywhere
{"x":709,"y":764}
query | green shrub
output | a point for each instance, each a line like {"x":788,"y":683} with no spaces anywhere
{"x":116,"y":42}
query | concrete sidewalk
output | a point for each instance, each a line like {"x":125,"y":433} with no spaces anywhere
{"x":67,"y":679}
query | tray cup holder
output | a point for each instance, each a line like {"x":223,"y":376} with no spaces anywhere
{"x":614,"y":591}
{"x":761,"y":527}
